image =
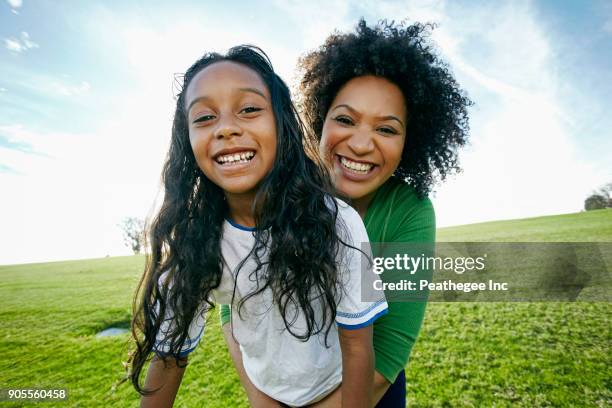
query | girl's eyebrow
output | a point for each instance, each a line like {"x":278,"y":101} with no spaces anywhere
{"x":253,"y":90}
{"x":388,"y":117}
{"x":196,"y":100}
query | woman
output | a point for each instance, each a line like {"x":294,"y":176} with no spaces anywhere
{"x":390,"y":118}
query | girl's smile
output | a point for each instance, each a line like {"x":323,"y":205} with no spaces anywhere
{"x":229,"y":157}
{"x":235,"y":160}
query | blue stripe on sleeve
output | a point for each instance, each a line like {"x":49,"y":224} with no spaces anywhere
{"x":364,"y":324}
{"x":362,"y":313}
{"x":159,"y":345}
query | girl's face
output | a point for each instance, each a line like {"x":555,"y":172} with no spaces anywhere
{"x":363,"y":135}
{"x":232,"y":129}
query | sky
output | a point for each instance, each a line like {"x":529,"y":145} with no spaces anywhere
{"x":86,"y":104}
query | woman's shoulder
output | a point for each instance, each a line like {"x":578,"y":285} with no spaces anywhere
{"x":398,"y":213}
{"x":403,"y":198}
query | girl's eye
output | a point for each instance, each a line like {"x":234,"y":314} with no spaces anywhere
{"x":204,"y":118}
{"x":250,"y":109}
{"x":388,"y":130}
{"x":345,"y":120}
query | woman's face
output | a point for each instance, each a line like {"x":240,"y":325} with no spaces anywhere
{"x":231,"y":126}
{"x":363,"y":135}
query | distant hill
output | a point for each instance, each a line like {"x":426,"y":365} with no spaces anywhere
{"x":589,"y":226}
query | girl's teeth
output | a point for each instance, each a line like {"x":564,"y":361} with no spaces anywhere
{"x":236,"y":158}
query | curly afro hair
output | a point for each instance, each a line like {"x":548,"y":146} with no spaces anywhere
{"x":437,"y":122}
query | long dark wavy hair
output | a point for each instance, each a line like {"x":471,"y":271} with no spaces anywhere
{"x":296,"y":221}
{"x":436,"y":106}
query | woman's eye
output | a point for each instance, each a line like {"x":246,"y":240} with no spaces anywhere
{"x":345,"y":120}
{"x":250,"y":109}
{"x":388,"y":130}
{"x":204,"y":118}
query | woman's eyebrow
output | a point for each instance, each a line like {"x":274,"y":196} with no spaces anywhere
{"x":391,"y":117}
{"x":342,"y":105}
{"x":388,"y":117}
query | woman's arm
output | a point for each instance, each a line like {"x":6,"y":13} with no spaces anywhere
{"x":334,"y":400}
{"x":357,"y":366}
{"x":381,"y":385}
{"x":257,"y":399}
{"x":167,"y":376}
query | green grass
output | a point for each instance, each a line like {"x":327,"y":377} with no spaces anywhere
{"x":468,"y":354}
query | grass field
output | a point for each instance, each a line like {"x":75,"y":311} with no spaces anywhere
{"x":468,"y":354}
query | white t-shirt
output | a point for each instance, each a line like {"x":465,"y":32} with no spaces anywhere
{"x":285,"y":368}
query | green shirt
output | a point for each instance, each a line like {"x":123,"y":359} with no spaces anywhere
{"x":396,"y":214}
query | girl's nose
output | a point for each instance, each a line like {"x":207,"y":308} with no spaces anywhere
{"x":361,"y":143}
{"x":227,"y":128}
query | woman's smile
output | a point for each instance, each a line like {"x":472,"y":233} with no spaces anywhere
{"x":356,"y":170}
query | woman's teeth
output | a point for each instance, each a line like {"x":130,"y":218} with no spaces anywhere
{"x":241,"y":157}
{"x":362,"y":168}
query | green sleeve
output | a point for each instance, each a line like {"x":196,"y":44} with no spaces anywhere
{"x":225,"y":313}
{"x":407,"y":219}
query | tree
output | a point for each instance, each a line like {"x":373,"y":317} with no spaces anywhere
{"x":602,"y":198}
{"x":133,"y":233}
{"x":595,"y":202}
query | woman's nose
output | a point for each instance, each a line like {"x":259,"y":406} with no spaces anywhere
{"x":361,"y":142}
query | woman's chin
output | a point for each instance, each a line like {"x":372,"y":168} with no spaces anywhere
{"x":348,"y":189}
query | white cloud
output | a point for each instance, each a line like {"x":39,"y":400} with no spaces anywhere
{"x":15,"y":3}
{"x":12,"y":44}
{"x":66,"y":89}
{"x":48,"y":85}
{"x":16,"y":45}
{"x":25,"y":38}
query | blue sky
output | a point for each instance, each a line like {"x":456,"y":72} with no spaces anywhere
{"x":86,"y":104}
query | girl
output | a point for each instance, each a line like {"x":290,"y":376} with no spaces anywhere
{"x":390,"y":118}
{"x":247,"y":220}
